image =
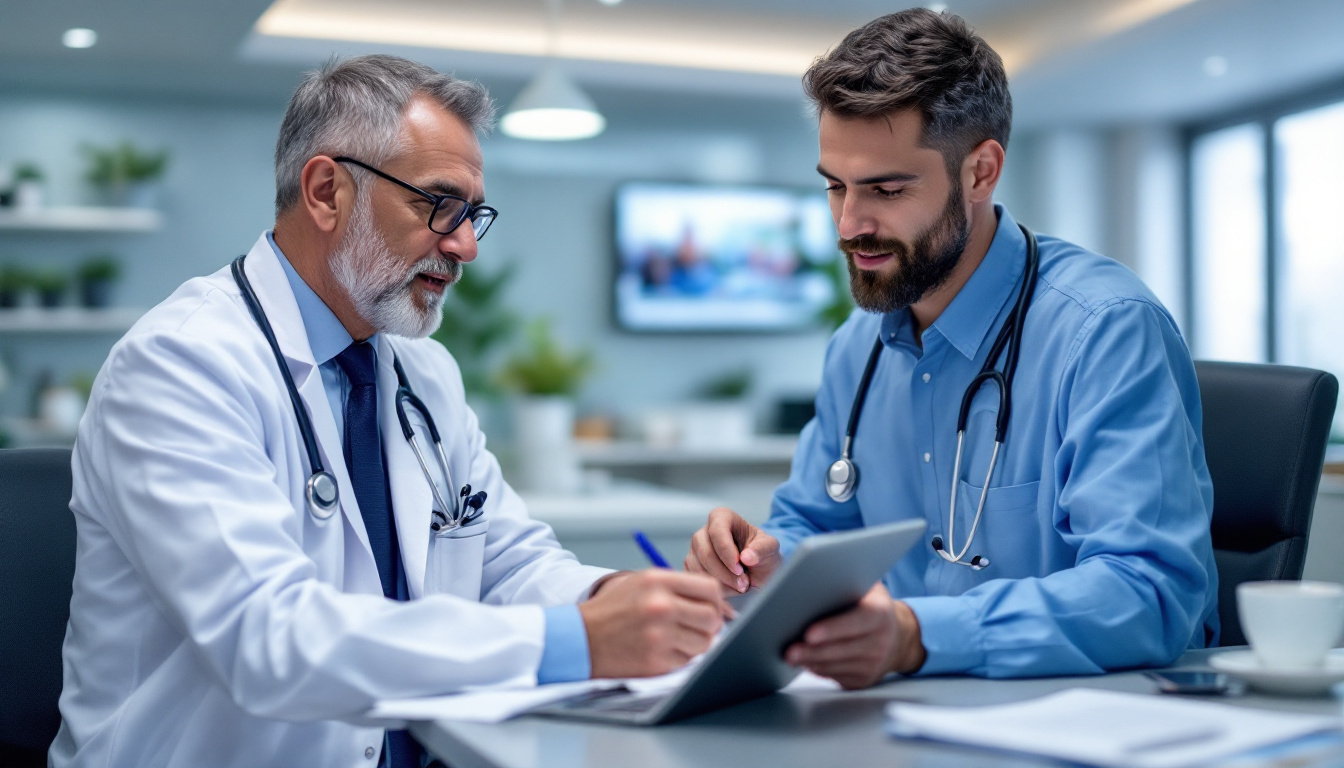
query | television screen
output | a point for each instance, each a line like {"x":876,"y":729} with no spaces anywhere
{"x":722,"y":258}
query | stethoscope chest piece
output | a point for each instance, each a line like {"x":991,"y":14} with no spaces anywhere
{"x":323,"y":497}
{"x":842,"y":478}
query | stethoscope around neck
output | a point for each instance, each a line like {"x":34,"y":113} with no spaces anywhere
{"x":842,"y":477}
{"x":321,"y":492}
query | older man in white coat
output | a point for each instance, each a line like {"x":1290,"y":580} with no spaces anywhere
{"x":219,"y":617}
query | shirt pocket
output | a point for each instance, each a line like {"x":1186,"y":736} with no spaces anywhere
{"x":1008,"y":535}
{"x":456,"y":560}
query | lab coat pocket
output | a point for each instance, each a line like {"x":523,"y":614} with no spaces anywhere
{"x":456,"y":559}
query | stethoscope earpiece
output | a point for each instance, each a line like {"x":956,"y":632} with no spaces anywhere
{"x":976,"y":563}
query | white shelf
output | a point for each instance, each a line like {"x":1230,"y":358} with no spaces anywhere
{"x":68,"y":320}
{"x":86,"y":219}
{"x":762,"y":449}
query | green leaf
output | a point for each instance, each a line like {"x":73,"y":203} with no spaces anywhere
{"x":544,"y":367}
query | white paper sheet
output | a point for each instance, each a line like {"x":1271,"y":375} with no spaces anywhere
{"x":495,"y":705}
{"x":810,"y":682}
{"x":1108,"y":728}
{"x":484,"y":706}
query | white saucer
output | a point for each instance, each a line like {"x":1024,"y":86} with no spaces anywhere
{"x":1296,"y":682}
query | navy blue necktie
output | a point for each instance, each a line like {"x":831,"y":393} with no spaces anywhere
{"x":364,"y":458}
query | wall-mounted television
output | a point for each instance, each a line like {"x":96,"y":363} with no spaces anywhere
{"x":696,"y":257}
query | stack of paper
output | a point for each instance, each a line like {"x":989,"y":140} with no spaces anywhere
{"x":495,"y":705}
{"x":484,"y":706}
{"x":1107,"y":728}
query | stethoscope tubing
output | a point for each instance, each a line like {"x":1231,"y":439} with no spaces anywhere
{"x":454,"y":511}
{"x":1009,"y":339}
{"x":321,"y":491}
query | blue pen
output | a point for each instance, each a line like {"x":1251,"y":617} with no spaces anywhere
{"x":651,"y":551}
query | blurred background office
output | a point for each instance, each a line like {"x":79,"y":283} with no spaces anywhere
{"x":645,"y":326}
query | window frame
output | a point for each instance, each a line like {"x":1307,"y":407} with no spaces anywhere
{"x":1266,"y":114}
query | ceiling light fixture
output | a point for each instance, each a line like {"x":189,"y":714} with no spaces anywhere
{"x":937,"y":7}
{"x":79,"y":37}
{"x":609,"y":2}
{"x":552,"y":107}
{"x":1215,"y":66}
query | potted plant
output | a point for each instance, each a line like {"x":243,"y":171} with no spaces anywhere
{"x":544,"y":368}
{"x":96,"y":278}
{"x":50,"y":288}
{"x":28,"y":187}
{"x":546,"y":378}
{"x":719,"y":417}
{"x":124,"y":175}
{"x":13,"y":281}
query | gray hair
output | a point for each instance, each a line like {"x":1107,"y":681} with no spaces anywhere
{"x":355,"y":108}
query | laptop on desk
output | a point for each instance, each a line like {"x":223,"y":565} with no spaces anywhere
{"x":826,"y":574}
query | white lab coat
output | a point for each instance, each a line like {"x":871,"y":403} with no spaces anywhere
{"x":214,"y":620}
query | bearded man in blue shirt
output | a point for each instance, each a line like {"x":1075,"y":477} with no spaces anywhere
{"x":1095,"y":524}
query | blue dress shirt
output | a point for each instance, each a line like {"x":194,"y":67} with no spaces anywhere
{"x":564,"y":654}
{"x":1096,"y":523}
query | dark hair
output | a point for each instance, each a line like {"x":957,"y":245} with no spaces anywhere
{"x":918,"y":59}
{"x":355,"y":108}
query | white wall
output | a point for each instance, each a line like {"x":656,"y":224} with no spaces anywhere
{"x":1115,"y":190}
{"x":556,"y":203}
{"x":558,"y":228}
{"x":217,"y":199}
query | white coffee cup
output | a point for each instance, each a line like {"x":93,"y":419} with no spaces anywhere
{"x":1291,"y":625}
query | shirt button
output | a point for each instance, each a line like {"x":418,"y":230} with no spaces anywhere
{"x":368,"y":753}
{"x":926,"y":378}
{"x":927,"y":457}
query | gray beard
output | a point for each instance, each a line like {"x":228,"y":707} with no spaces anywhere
{"x":382,"y":293}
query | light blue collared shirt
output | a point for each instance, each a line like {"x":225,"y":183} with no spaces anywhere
{"x":1096,"y":524}
{"x":564,"y":654}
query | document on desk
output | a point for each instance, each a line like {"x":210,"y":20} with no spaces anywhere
{"x":1108,"y":728}
{"x":495,"y":705}
{"x":491,"y":705}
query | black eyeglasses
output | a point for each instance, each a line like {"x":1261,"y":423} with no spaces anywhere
{"x":449,"y":210}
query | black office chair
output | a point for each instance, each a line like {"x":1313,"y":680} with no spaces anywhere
{"x":37,"y":565}
{"x":1265,"y":430}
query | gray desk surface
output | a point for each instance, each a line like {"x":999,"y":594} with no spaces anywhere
{"x":811,"y":728}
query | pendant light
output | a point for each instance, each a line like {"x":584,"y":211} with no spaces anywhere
{"x":552,"y":107}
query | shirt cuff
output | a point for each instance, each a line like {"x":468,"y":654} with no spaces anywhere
{"x":564,"y":653}
{"x":950,"y":632}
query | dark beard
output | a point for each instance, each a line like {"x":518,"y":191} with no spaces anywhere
{"x":923,"y":267}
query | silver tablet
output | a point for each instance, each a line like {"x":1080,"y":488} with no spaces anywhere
{"x":826,"y":574}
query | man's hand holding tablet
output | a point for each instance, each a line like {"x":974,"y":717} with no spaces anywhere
{"x":856,"y":648}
